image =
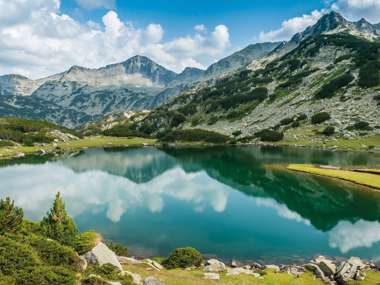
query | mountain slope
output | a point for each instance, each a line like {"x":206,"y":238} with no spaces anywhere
{"x":334,"y":74}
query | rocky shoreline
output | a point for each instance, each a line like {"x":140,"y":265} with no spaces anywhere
{"x":330,"y":271}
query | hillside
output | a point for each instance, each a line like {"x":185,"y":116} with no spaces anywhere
{"x":327,"y":87}
{"x":81,"y":95}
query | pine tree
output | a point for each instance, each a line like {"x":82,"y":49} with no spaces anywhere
{"x":10,"y":216}
{"x":58,"y":224}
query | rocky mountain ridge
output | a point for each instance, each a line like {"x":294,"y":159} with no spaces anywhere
{"x":325,"y":87}
{"x":135,"y":84}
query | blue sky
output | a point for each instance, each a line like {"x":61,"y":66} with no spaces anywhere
{"x":42,"y":37}
{"x":244,"y":18}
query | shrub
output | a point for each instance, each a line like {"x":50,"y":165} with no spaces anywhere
{"x":295,"y":124}
{"x":369,"y":75}
{"x":58,"y":225}
{"x":301,"y":117}
{"x":53,"y":253}
{"x":86,"y":241}
{"x":123,"y":131}
{"x":286,"y":121}
{"x":212,"y":120}
{"x":360,"y":126}
{"x":319,"y":118}
{"x":107,"y":272}
{"x":328,"y":131}
{"x":195,"y":135}
{"x":15,"y":256}
{"x":329,"y":89}
{"x":119,"y":249}
{"x":183,"y":258}
{"x":46,"y":275}
{"x":236,"y":133}
{"x":269,"y":135}
{"x":7,"y":280}
{"x":94,"y":280}
{"x":10,"y":216}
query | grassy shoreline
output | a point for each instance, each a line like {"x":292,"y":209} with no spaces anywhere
{"x":74,"y":145}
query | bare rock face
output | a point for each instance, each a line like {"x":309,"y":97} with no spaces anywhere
{"x":101,"y":255}
{"x":215,"y":266}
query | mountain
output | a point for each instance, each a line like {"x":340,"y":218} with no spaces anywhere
{"x":240,"y":59}
{"x":135,"y":84}
{"x":326,"y":85}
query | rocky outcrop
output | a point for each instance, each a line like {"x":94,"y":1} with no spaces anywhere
{"x":215,"y":266}
{"x":101,"y":255}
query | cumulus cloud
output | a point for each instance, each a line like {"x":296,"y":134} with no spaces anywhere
{"x":96,"y":4}
{"x":36,"y":40}
{"x":291,"y":27}
{"x":356,"y":9}
{"x":347,"y":236}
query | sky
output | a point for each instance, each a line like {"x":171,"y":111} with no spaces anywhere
{"x":42,"y":37}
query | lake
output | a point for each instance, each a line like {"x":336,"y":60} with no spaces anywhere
{"x":228,"y":202}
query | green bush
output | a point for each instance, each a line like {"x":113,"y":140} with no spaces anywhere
{"x":295,"y":124}
{"x":301,"y":117}
{"x":6,"y":143}
{"x":286,"y":121}
{"x":53,"y":253}
{"x":7,"y":280}
{"x":328,"y":131}
{"x":237,"y":133}
{"x":329,"y":89}
{"x":183,"y":258}
{"x":119,"y":249}
{"x":107,"y":272}
{"x":320,"y":118}
{"x":360,"y":126}
{"x":269,"y":135}
{"x":369,"y":75}
{"x":93,"y":280}
{"x":46,"y":275}
{"x":15,"y":256}
{"x":58,"y":225}
{"x":86,"y":241}
{"x":123,"y":131}
{"x":195,"y":135}
{"x":10,"y":216}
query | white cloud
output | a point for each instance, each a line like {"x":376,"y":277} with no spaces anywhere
{"x":96,"y":4}
{"x":200,"y":28}
{"x":291,"y":27}
{"x":347,"y":236}
{"x":356,"y":9}
{"x":36,"y":40}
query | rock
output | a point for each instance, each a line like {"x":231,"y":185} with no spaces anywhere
{"x":82,"y":263}
{"x":135,"y":277}
{"x":359,"y":276}
{"x":214,"y":265}
{"x":295,"y":270}
{"x":273,"y":267}
{"x":248,"y":267}
{"x":154,"y":264}
{"x":258,"y":266}
{"x":234,"y":263}
{"x":211,"y":276}
{"x":326,"y":265}
{"x":128,"y":260}
{"x":356,"y":261}
{"x":152,"y":281}
{"x":238,"y":271}
{"x":316,"y":270}
{"x":257,"y":275}
{"x":101,"y":255}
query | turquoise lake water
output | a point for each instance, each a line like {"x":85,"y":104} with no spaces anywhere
{"x":229,"y":202}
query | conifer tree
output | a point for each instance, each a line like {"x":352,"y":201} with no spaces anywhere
{"x":10,"y":216}
{"x":58,"y":224}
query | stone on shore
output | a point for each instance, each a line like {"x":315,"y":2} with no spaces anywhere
{"x":326,"y":265}
{"x":238,"y":271}
{"x":276,"y":268}
{"x":214,"y":265}
{"x":101,"y":255}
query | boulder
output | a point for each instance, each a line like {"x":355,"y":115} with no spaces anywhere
{"x":258,"y":266}
{"x":295,"y":270}
{"x":82,"y":264}
{"x":356,"y":261}
{"x":128,"y":260}
{"x":153,"y":264}
{"x":273,"y":267}
{"x":101,"y":255}
{"x":238,"y":271}
{"x":152,"y":281}
{"x":214,"y":265}
{"x":326,"y":265}
{"x":316,"y":270}
{"x":211,"y":276}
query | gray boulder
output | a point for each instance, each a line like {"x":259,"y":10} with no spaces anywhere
{"x":101,"y":255}
{"x":211,"y":276}
{"x":326,"y":265}
{"x":214,"y":265}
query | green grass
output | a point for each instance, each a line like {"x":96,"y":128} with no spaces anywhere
{"x":75,"y":145}
{"x":195,"y":277}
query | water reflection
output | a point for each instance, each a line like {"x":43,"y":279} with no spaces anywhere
{"x":230,"y":202}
